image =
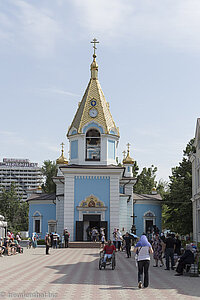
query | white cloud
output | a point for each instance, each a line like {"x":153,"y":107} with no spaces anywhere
{"x":167,"y":22}
{"x":29,"y":28}
{"x":59,"y":91}
{"x":103,"y":17}
{"x":37,"y":27}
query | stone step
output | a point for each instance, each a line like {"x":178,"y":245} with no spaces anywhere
{"x":84,"y":245}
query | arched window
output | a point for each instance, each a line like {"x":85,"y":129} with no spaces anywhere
{"x":93,"y":145}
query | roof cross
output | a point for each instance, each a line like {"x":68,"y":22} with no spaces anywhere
{"x":124,"y":154}
{"x":128,"y":146}
{"x":94,"y":41}
{"x":62,"y":144}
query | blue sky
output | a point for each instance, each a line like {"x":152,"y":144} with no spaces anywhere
{"x":149,"y":70}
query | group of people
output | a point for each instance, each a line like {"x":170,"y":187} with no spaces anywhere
{"x":171,"y":249}
{"x":160,"y":246}
{"x":53,"y":239}
{"x":10,"y":244}
{"x":94,"y":235}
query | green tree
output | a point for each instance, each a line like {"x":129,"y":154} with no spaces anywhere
{"x":49,"y":170}
{"x":14,"y":210}
{"x":146,"y":180}
{"x":162,"y":187}
{"x":177,"y":209}
{"x":135,"y":169}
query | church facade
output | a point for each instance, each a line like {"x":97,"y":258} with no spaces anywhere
{"x":92,"y":190}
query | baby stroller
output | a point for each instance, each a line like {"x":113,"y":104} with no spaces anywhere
{"x":109,"y":261}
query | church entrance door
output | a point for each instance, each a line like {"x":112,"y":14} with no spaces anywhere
{"x":83,"y":228}
{"x":149,"y":228}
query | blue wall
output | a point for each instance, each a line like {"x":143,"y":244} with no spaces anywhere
{"x":111,"y":149}
{"x":48,"y":212}
{"x":74,"y":149}
{"x":121,"y":189}
{"x":98,"y":186}
{"x":140,"y":210}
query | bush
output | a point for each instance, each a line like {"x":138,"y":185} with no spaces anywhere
{"x":41,"y":242}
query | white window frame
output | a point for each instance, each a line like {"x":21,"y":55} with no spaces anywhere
{"x":153,"y":218}
{"x":35,"y":218}
{"x":54,"y":223}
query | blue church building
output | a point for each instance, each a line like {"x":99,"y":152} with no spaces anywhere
{"x":92,"y":190}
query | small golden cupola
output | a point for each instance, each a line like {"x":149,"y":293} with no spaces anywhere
{"x":128,"y":162}
{"x":154,"y":191}
{"x":62,"y":160}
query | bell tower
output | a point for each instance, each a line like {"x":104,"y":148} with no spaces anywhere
{"x":93,"y":135}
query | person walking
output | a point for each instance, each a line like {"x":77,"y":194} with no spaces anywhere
{"x":143,"y":249}
{"x":66,"y":238}
{"x":157,"y":250}
{"x":128,"y":239}
{"x":169,"y":251}
{"x":115,"y":237}
{"x":119,"y":239}
{"x":47,"y":243}
{"x":94,"y":234}
{"x":55,"y":240}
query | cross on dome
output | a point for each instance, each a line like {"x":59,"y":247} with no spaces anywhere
{"x":62,"y":144}
{"x":128,"y":159}
{"x":62,"y":160}
{"x":94,"y":41}
{"x":124,"y":154}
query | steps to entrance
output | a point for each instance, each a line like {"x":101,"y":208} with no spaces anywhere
{"x":84,"y":245}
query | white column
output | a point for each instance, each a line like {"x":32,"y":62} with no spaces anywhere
{"x":60,"y":208}
{"x":114,"y":203}
{"x":69,"y":205}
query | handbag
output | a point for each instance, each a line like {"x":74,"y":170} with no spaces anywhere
{"x":136,"y":257}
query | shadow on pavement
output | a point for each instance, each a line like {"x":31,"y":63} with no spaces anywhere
{"x":124,"y":277}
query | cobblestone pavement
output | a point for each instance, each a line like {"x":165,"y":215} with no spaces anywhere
{"x":73,"y":274}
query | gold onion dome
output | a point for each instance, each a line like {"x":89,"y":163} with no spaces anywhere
{"x":153,"y":189}
{"x":62,"y":160}
{"x":128,"y":160}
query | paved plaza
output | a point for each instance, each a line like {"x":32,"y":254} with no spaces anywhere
{"x":73,"y":274}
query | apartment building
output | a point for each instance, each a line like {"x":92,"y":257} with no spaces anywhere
{"x":22,"y":172}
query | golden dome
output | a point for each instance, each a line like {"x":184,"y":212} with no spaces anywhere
{"x":153,"y":189}
{"x":128,"y":160}
{"x":61,"y":160}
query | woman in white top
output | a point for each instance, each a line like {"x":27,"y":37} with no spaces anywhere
{"x":143,"y":249}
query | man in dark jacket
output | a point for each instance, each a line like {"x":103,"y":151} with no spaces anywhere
{"x":47,"y":243}
{"x":127,"y":238}
{"x":186,"y":258}
{"x":66,"y":237}
{"x":169,"y":251}
{"x":177,"y":249}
